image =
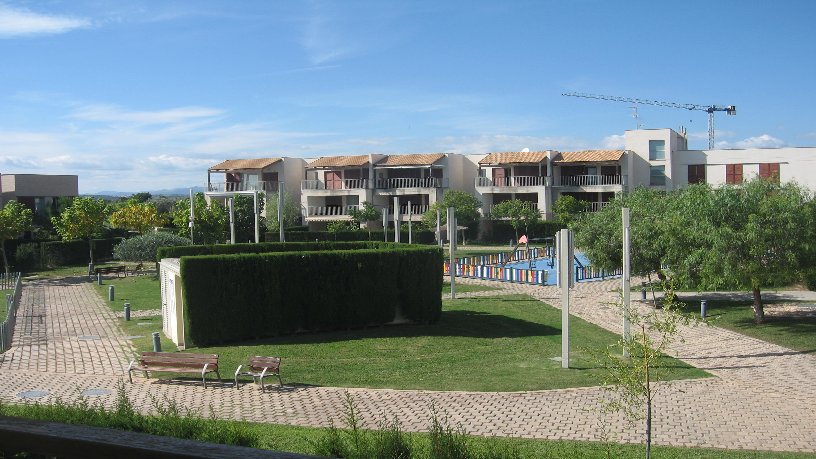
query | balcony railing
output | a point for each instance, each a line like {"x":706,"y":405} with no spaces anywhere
{"x":329,"y":211}
{"x":596,"y":206}
{"x":590,"y":180}
{"x":416,"y":209}
{"x":534,"y":205}
{"x":515,"y":181}
{"x":229,"y":187}
{"x":346,"y":184}
{"x":426,"y":182}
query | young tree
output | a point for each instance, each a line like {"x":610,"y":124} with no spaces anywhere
{"x":568,"y":209}
{"x":15,"y":218}
{"x":84,"y":219}
{"x":630,"y":381}
{"x":520,"y":213}
{"x":466,"y":207}
{"x":291,"y":211}
{"x":244,"y":209}
{"x":136,"y":216}
{"x":367,"y":214}
{"x":210,"y":226}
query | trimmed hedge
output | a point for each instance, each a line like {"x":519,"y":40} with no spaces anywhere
{"x":266,"y":247}
{"x":39,"y":254}
{"x":418,"y":237}
{"x":233,"y":297}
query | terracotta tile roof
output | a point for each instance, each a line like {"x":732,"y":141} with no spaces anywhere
{"x":588,"y":156}
{"x":515,"y":157}
{"x":410,"y":160}
{"x":236,"y":164}
{"x":340,"y":161}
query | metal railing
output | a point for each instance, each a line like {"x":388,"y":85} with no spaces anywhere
{"x":416,"y":209}
{"x":590,"y":180}
{"x":532,"y":205}
{"x":227,"y":187}
{"x":345,"y":184}
{"x":329,"y":211}
{"x":514,"y":181}
{"x":426,"y":182}
{"x":596,"y":206}
{"x":12,"y":282}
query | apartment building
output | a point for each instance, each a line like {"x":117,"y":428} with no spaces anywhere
{"x":38,"y":192}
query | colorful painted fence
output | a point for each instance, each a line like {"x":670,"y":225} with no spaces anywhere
{"x":586,"y":273}
{"x":505,"y":257}
{"x":499,"y":273}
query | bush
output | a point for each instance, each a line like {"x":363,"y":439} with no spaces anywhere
{"x":342,"y":285}
{"x":145,"y":246}
{"x":27,"y":257}
{"x":809,"y":279}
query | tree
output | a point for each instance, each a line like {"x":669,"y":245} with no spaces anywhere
{"x":367,"y":214}
{"x":745,"y":237}
{"x":568,"y":208}
{"x":291,"y":211}
{"x":210,"y":226}
{"x":630,"y":380}
{"x":466,"y":207}
{"x":520,"y":213}
{"x":15,"y":218}
{"x":136,"y":216}
{"x":84,"y":218}
{"x":244,"y":209}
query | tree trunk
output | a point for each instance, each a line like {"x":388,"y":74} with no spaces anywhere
{"x":5,"y":260}
{"x":759,"y":308}
{"x":90,"y":248}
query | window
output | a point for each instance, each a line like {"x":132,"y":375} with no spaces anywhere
{"x":657,"y":150}
{"x":733,"y":174}
{"x":696,"y":173}
{"x":769,"y":171}
{"x":657,"y":176}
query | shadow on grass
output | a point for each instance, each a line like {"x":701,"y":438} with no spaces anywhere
{"x":458,"y":323}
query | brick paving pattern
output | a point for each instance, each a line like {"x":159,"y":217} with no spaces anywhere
{"x":762,"y":395}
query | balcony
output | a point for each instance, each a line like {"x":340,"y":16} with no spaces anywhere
{"x":488,"y":210}
{"x":426,"y":182}
{"x":346,"y":184}
{"x":234,"y":187}
{"x":596,"y":206}
{"x":416,"y":209}
{"x":515,"y":181}
{"x":330,"y":211}
{"x":590,"y":180}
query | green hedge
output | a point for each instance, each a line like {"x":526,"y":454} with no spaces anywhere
{"x":50,"y":254}
{"x":256,"y":295}
{"x":418,"y":237}
{"x":266,"y":247}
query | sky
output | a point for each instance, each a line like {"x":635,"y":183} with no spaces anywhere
{"x":143,"y":95}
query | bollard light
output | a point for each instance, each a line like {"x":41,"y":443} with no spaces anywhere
{"x":703,"y":307}
{"x":127,"y":311}
{"x":643,"y":292}
{"x":156,"y":342}
{"x":110,"y":293}
{"x":98,"y":278}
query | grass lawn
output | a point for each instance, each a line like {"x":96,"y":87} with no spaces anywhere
{"x":143,"y":292}
{"x":797,"y":333}
{"x":4,"y":304}
{"x":466,"y":288}
{"x":503,"y":343}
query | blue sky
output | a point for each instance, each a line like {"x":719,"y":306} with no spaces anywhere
{"x":144,"y":95}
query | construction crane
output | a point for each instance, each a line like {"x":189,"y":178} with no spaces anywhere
{"x":710,"y":109}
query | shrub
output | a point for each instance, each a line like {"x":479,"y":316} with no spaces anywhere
{"x":810,"y":279}
{"x":144,"y":247}
{"x":27,"y":257}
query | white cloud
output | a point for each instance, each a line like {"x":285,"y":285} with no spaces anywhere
{"x":614,"y":142}
{"x":177,"y":162}
{"x":22,"y":22}
{"x":113,"y":114}
{"x":322,"y":43}
{"x":760,"y":141}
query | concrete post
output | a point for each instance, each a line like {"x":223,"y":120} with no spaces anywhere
{"x":396,"y":219}
{"x":257,"y":210}
{"x":438,"y":228}
{"x":410,"y":214}
{"x":281,"y":236}
{"x":385,"y":224}
{"x":452,"y":247}
{"x":565,"y":280}
{"x":232,"y":220}
{"x":626,"y":285}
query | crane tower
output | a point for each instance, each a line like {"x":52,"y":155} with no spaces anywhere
{"x":710,"y":109}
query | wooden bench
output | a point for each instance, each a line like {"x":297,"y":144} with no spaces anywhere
{"x":122,"y":269}
{"x":136,"y":269}
{"x":259,"y":368}
{"x":176,"y":362}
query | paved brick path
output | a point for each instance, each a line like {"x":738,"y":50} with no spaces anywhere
{"x":761,"y":398}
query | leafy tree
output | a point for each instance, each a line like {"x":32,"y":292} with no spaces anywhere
{"x":210,"y":226}
{"x":141,"y":197}
{"x":243,"y":208}
{"x":748,"y":236}
{"x":144,"y":247}
{"x":83,"y":219}
{"x":520,"y":213}
{"x":15,"y":218}
{"x":367,"y":214}
{"x":136,"y":216}
{"x":465,"y":204}
{"x":291,"y":211}
{"x":567,"y":209}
